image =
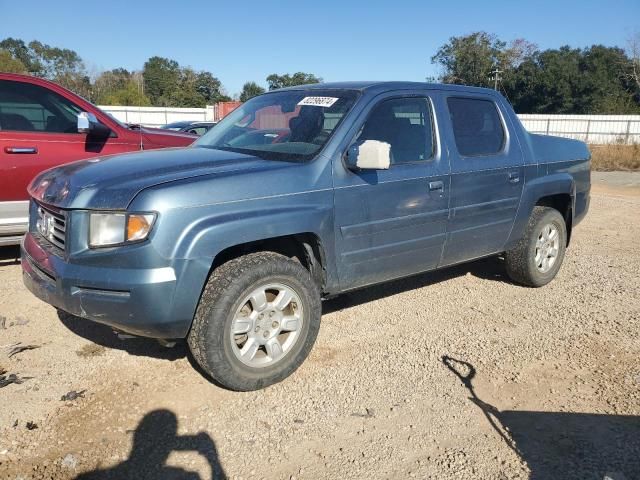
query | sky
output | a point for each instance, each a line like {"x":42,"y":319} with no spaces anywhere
{"x":337,"y":40}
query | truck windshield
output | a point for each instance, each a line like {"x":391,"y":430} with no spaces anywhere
{"x":289,"y":125}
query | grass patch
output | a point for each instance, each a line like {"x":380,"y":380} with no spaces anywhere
{"x":605,"y":158}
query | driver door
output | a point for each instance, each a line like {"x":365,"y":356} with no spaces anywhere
{"x":392,"y":223}
{"x":38,"y":130}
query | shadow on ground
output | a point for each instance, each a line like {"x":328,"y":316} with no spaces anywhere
{"x":491,"y":268}
{"x":488,"y":269}
{"x":563,"y":445}
{"x":155,"y":437}
{"x":105,"y":336}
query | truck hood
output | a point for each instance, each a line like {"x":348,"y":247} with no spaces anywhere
{"x":112,"y":182}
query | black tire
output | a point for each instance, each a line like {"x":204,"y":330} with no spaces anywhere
{"x":210,"y":339}
{"x":520,"y":261}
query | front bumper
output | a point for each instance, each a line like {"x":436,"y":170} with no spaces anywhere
{"x":137,"y":301}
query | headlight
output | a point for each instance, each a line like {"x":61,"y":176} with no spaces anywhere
{"x":109,"y":229}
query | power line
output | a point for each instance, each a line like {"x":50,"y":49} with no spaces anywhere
{"x":505,"y":92}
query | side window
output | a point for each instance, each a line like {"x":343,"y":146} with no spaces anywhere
{"x":477,"y":126}
{"x":198,"y":131}
{"x":403,"y":123}
{"x":30,"y":108}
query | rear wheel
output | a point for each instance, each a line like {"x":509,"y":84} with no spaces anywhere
{"x":256,"y":322}
{"x":537,"y":257}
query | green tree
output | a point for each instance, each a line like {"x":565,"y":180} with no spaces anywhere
{"x":161,"y":80}
{"x":61,"y":65}
{"x":250,"y":90}
{"x":299,"y":78}
{"x":469,"y":59}
{"x":77,"y":82}
{"x":186,"y":94}
{"x":569,"y":80}
{"x":21,"y":52}
{"x":210,"y":88}
{"x":168,"y":85}
{"x":129,"y":94}
{"x":9,"y":64}
{"x":196,"y":89}
{"x":607,"y":90}
{"x":109,"y":82}
{"x":597,"y":79}
{"x":56,"y":62}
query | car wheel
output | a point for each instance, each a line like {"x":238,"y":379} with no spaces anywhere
{"x":256,"y":322}
{"x":536,"y":259}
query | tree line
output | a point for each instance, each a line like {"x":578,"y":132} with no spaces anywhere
{"x":596,"y":79}
{"x":162,"y":82}
{"x":592,"y":80}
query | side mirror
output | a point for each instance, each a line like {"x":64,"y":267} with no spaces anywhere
{"x":369,"y":155}
{"x":89,"y":124}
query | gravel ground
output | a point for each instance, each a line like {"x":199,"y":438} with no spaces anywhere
{"x":534,"y":383}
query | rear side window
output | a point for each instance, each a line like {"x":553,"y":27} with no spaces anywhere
{"x":31,"y":108}
{"x":477,"y":126}
{"x":405,"y":124}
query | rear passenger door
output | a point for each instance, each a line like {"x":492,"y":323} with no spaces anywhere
{"x":486,"y":177}
{"x":391,"y":223}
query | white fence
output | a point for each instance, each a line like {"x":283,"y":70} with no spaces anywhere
{"x":594,"y":129}
{"x":157,"y":116}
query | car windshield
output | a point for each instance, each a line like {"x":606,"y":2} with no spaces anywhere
{"x":288,"y":125}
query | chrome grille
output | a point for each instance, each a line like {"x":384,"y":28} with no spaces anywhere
{"x":52,"y":225}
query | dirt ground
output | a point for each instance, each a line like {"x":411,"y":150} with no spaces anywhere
{"x":454,"y":374}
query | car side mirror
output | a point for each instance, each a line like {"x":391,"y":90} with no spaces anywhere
{"x":89,"y":124}
{"x":369,"y":155}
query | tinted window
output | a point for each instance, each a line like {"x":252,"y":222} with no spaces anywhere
{"x":31,"y":108}
{"x":403,"y":123}
{"x":476,"y":126}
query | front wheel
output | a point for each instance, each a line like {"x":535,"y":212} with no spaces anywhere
{"x":256,"y":322}
{"x":537,"y":257}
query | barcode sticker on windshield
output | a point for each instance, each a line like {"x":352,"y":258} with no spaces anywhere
{"x":318,"y":101}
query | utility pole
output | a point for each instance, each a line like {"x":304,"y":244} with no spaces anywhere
{"x":496,"y":77}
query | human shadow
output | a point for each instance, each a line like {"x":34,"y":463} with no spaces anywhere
{"x":490,"y":268}
{"x":153,"y":441}
{"x":562,"y":445}
{"x":104,"y":335}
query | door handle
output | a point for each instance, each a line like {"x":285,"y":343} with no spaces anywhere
{"x":21,"y":150}
{"x":514,"y":177}
{"x":437,"y":186}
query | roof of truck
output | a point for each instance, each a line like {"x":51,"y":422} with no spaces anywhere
{"x":383,"y":86}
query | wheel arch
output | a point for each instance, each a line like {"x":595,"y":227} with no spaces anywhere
{"x":556,"y":191}
{"x":302,"y":231}
{"x":305,"y":247}
{"x":562,"y":202}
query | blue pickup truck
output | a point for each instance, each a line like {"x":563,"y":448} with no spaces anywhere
{"x":298,"y":195}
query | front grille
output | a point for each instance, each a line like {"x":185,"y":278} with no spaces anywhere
{"x":52,"y":225}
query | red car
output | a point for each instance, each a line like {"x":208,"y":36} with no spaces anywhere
{"x":43,"y":125}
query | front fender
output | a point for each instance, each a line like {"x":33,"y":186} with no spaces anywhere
{"x":534,"y":190}
{"x":223,"y":226}
{"x":210,"y":235}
